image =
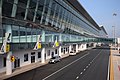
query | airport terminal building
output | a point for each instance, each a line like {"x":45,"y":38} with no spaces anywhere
{"x":63,"y":21}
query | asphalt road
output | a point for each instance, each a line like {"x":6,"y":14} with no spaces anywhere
{"x":87,"y":65}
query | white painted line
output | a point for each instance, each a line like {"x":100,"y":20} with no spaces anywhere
{"x":77,"y":77}
{"x":108,"y":69}
{"x":89,"y":64}
{"x":86,"y":66}
{"x":64,"y":67}
{"x":84,"y":69}
{"x":81,"y":73}
{"x":96,"y":56}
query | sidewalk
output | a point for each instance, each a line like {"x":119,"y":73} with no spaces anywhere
{"x":116,"y":64}
{"x":26,"y":68}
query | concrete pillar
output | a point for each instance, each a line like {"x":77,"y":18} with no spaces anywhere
{"x":14,"y":9}
{"x":52,"y":37}
{"x":9,"y":64}
{"x":43,"y":55}
{"x":76,"y":47}
{"x":43,"y":36}
{"x":85,"y":46}
{"x":9,"y":30}
{"x":60,"y":51}
{"x":94,"y":44}
{"x":80,"y":47}
{"x":70,"y":48}
{"x":60,"y":37}
{"x":27,"y":7}
{"x":36,"y":11}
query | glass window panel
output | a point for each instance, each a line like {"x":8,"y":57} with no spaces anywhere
{"x":34,"y":36}
{"x":38,"y":16}
{"x":28,"y":34}
{"x":7,"y":8}
{"x":22,"y":3}
{"x":10,"y":1}
{"x":30,"y":14}
{"x":20,"y":14}
{"x":39,"y":54}
{"x":44,"y":19}
{"x":47,"y":3}
{"x":41,"y":2}
{"x":25,"y":57}
{"x":22,"y":34}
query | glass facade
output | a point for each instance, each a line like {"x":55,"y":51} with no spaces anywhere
{"x":23,"y":18}
{"x":55,"y":13}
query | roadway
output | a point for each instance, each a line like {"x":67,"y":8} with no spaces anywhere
{"x":87,"y":65}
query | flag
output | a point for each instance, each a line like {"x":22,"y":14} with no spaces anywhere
{"x":56,"y":44}
{"x":38,"y":43}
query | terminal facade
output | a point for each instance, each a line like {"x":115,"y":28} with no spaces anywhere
{"x":63,"y":21}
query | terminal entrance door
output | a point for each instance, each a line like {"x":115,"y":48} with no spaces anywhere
{"x":17,"y":63}
{"x":52,"y":55}
{"x":32,"y":57}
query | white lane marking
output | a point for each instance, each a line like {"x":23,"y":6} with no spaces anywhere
{"x":86,"y":66}
{"x":84,"y":69}
{"x":108,"y":70}
{"x":81,"y":73}
{"x":64,"y":67}
{"x":90,"y":62}
{"x":77,"y":77}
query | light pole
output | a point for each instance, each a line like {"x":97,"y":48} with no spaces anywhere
{"x":114,"y":34}
{"x":114,"y":14}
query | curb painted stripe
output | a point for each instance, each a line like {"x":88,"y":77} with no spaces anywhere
{"x":111,"y":66}
{"x":108,"y":76}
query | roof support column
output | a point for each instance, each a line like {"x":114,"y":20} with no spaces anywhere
{"x":60,"y":51}
{"x":76,"y":48}
{"x":70,"y":48}
{"x":43,"y":55}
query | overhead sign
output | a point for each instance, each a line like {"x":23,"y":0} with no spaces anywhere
{"x":39,"y":46}
{"x":38,"y":43}
{"x":12,"y":58}
{"x":57,"y":44}
{"x":5,"y":46}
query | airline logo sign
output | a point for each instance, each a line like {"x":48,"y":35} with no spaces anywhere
{"x":56,"y":44}
{"x":7,"y":48}
{"x":38,"y":43}
{"x":12,"y":58}
{"x":39,"y":46}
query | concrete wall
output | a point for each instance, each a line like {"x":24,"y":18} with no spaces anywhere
{"x":48,"y":54}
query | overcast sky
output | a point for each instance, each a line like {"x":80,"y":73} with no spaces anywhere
{"x":102,"y":12}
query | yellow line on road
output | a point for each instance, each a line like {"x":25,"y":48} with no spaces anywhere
{"x":111,"y":66}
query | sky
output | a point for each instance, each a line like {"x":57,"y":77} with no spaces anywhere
{"x":102,"y":13}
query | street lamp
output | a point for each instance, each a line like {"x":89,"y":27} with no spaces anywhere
{"x":114,"y":14}
{"x":114,"y":34}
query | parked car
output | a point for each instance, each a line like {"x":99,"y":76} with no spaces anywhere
{"x":55,"y":59}
{"x":72,"y":53}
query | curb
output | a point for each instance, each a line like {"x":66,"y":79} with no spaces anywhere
{"x":111,"y":66}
